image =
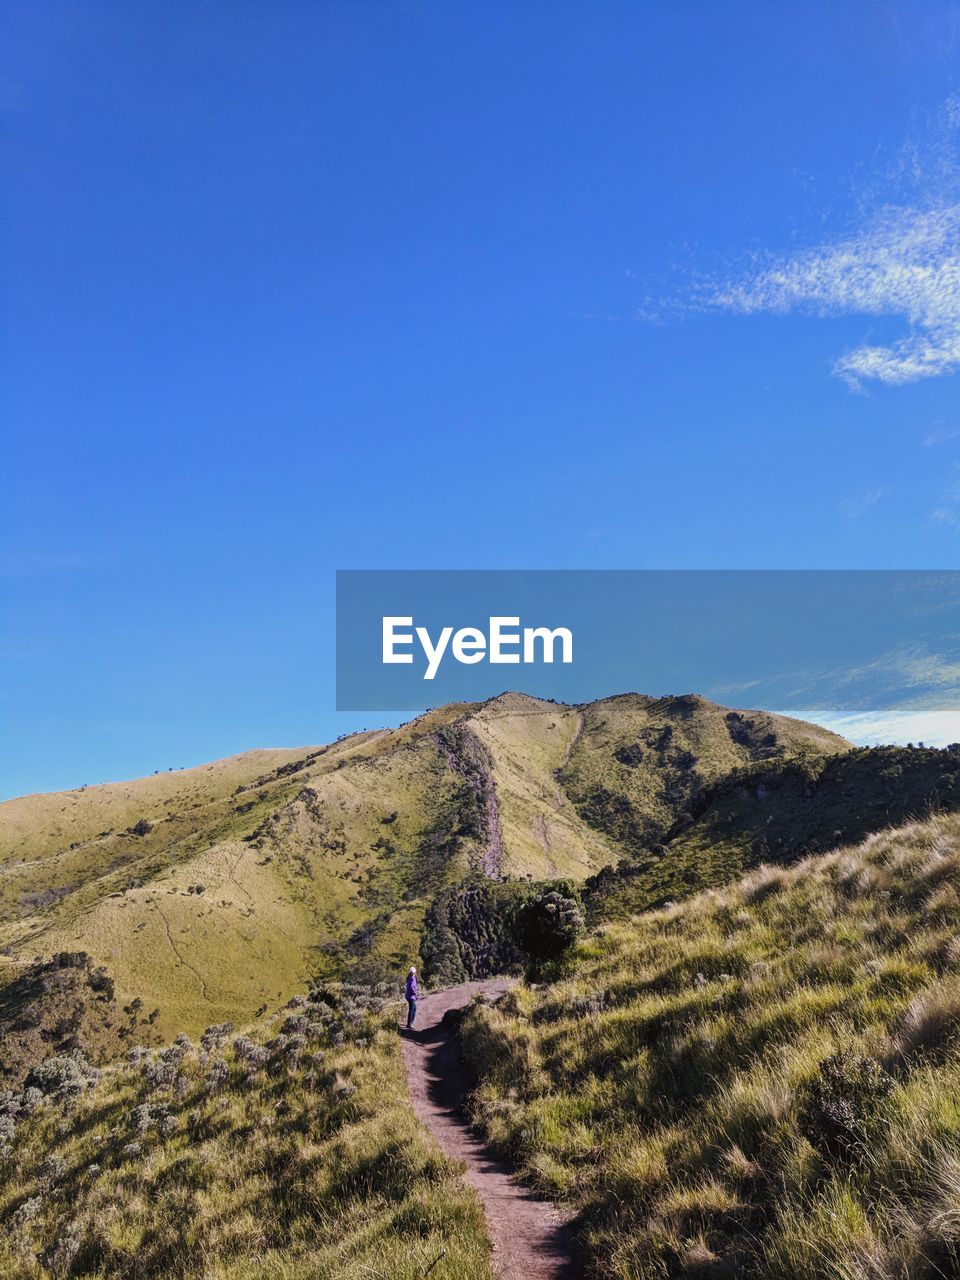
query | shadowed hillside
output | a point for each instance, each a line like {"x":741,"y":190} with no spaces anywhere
{"x":63,"y":1005}
{"x":776,"y":811}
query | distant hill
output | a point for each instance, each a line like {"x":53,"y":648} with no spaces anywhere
{"x":215,"y":892}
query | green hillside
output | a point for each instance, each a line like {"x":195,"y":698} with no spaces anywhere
{"x":148,"y":1168}
{"x":759,"y":1082}
{"x":211,"y":893}
{"x":775,"y":811}
{"x":640,"y":765}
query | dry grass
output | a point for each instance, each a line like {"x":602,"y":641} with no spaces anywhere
{"x":290,"y":1154}
{"x":763,"y":1081}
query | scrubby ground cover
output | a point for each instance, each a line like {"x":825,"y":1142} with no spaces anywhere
{"x":287,"y":1153}
{"x":763,"y":1081}
{"x":54,"y":1006}
{"x":775,"y":811}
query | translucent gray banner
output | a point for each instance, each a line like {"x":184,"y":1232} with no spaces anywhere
{"x":850,"y":641}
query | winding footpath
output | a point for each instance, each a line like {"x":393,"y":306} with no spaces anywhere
{"x":530,"y":1242}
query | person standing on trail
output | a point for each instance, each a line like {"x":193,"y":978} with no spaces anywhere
{"x":411,"y":996}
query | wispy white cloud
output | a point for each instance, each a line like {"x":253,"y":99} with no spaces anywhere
{"x":907,"y":693}
{"x":947,"y":510}
{"x":940,"y":435}
{"x":933,"y":726}
{"x":906,"y":263}
{"x":906,"y":667}
{"x":855,"y":505}
{"x":899,"y":257}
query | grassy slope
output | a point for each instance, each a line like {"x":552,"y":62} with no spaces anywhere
{"x":152,"y":1170}
{"x":641,"y":762}
{"x":779,"y":809}
{"x":240,"y":923}
{"x":212,"y":892}
{"x":668,"y":1088}
{"x":225,"y":903}
{"x":543,"y":835}
{"x":35,"y":823}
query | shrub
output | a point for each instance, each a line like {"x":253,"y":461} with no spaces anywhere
{"x":839,"y":1105}
{"x":467,"y":934}
{"x":549,"y":924}
{"x":59,"y":1258}
{"x":216,"y":1035}
{"x":217,"y":1076}
{"x":28,"y":1210}
{"x":142,"y":1119}
{"x":8,"y":1129}
{"x":64,"y":1076}
{"x":162,"y":1070}
{"x":52,"y":1170}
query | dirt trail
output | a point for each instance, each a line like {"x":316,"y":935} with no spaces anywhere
{"x":179,"y":954}
{"x":530,"y":1242}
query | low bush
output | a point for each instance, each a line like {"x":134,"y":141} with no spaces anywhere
{"x":839,"y":1106}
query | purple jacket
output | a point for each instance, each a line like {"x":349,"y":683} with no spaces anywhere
{"x":412,"y":987}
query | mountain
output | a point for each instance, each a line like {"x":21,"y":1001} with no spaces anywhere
{"x":760,"y":1081}
{"x":747,"y":1065}
{"x":213,"y":893}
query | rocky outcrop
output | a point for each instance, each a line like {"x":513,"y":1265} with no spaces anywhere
{"x":471,"y":761}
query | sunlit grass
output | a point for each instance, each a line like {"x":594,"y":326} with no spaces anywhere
{"x":290,"y":1154}
{"x":676,"y":1087}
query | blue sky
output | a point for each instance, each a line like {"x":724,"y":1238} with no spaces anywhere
{"x":293,"y":287}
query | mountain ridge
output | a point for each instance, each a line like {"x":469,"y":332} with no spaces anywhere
{"x":212,"y":892}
